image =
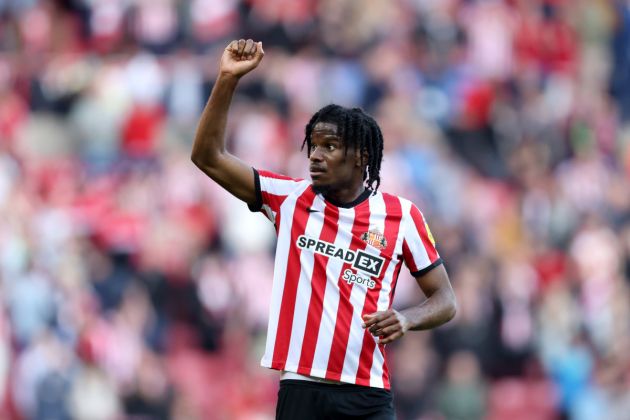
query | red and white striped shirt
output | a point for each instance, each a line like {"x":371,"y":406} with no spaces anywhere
{"x":335,"y":263}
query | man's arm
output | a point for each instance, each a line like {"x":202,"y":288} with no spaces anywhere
{"x":209,"y":154}
{"x":439,"y":308}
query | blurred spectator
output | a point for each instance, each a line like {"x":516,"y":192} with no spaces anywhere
{"x":619,"y":79}
{"x":415,"y":368}
{"x":463,"y":396}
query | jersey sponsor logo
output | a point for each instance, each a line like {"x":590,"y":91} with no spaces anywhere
{"x":375,"y":238}
{"x":361,"y":260}
{"x":368,"y":263}
{"x":352,"y":277}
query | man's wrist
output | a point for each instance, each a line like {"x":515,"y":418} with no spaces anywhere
{"x":404,"y":320}
{"x":229,"y":78}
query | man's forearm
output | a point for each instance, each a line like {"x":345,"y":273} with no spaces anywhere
{"x":208,"y":152}
{"x":210,"y":136}
{"x":438,"y":309}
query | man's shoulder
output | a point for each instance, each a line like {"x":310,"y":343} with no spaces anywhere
{"x":404,"y":202}
{"x":279,"y":183}
{"x":405,"y":206}
{"x":277,"y":176}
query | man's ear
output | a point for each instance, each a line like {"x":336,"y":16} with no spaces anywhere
{"x":361,"y":157}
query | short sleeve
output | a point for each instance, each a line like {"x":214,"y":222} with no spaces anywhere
{"x":271,"y":191}
{"x":419,"y":252}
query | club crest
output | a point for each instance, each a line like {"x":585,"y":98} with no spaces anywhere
{"x":375,"y":238}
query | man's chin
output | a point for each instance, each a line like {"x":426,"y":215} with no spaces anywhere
{"x":319,"y":188}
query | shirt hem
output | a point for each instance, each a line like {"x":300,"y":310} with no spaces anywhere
{"x":318,"y":373}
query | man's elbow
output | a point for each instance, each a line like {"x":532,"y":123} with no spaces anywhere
{"x":203,"y":161}
{"x":200,"y":164}
{"x":196,"y":159}
{"x":450,"y":309}
{"x":199,"y":158}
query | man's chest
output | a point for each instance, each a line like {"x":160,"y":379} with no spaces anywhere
{"x":365,"y":239}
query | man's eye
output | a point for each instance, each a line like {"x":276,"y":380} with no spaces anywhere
{"x":313,"y":147}
{"x":331,"y":147}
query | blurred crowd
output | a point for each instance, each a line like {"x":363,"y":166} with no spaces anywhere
{"x":131,"y":286}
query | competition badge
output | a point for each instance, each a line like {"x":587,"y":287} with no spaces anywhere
{"x":429,"y":234}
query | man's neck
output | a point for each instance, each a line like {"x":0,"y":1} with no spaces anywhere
{"x":344,"y":195}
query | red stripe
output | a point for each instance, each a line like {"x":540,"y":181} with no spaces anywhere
{"x":418,"y":220}
{"x":339,"y":345}
{"x":274,"y":201}
{"x":287,"y":307}
{"x":385,"y":368}
{"x":394,"y":283}
{"x":408,"y":256}
{"x":318,"y":284}
{"x":393,"y":217}
{"x":391,"y":300}
{"x":277,"y":223}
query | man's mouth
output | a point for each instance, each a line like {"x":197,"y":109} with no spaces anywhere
{"x":316,"y":170}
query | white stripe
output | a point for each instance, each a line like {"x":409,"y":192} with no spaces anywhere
{"x":271,"y":215}
{"x":331,"y":296}
{"x":376,"y":373}
{"x":280,"y":186}
{"x":280,"y":270}
{"x":357,"y":298}
{"x":415,"y":244}
{"x":313,"y":229}
{"x":383,"y":303}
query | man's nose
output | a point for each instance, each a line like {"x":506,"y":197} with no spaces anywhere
{"x":316,"y":154}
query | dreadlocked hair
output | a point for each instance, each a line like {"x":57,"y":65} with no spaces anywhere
{"x":357,"y":130}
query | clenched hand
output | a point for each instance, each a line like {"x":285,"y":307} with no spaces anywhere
{"x":240,"y":57}
{"x":387,"y":325}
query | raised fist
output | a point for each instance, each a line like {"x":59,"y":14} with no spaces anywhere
{"x":241,"y":57}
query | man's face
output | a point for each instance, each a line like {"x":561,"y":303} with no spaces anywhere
{"x":331,"y":168}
